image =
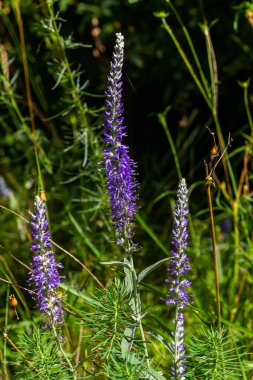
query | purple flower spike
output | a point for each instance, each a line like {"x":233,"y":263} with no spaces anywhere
{"x":178,"y":268}
{"x":119,"y":167}
{"x":44,"y":276}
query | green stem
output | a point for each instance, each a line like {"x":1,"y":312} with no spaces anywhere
{"x":246,"y":103}
{"x":190,"y":43}
{"x":212,"y":68}
{"x":187,"y":63}
{"x":162,"y":120}
{"x":59,"y":345}
{"x":40,"y":179}
{"x":45,"y":364}
{"x":243,"y":372}
{"x":137,"y":305}
{"x":20,"y":119}
{"x":25,"y":64}
{"x":236,"y":254}
{"x":209,"y":102}
{"x":115,"y":329}
{"x":135,"y":301}
{"x":75,"y":93}
{"x":5,"y":329}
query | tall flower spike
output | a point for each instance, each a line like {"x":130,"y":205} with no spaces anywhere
{"x":44,"y":274}
{"x":119,"y":167}
{"x":178,"y":284}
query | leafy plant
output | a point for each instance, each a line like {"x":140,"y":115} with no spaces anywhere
{"x":213,"y":355}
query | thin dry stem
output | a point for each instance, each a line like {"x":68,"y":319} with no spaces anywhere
{"x":15,"y":258}
{"x":79,"y":262}
{"x":215,"y":260}
{"x":79,"y":345}
{"x":5,"y":335}
{"x":58,"y":246}
{"x":14,"y":284}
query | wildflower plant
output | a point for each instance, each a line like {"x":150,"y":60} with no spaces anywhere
{"x":119,"y":167}
{"x":178,"y":284}
{"x":44,"y":275}
{"x":120,"y":181}
{"x":121,"y":187}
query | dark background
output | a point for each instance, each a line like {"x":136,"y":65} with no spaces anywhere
{"x":155,"y":76}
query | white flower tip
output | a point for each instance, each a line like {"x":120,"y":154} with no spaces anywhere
{"x":120,"y":40}
{"x":183,"y":181}
{"x":37,"y":199}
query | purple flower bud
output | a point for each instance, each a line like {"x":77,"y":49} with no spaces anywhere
{"x":177,"y":292}
{"x":119,"y":167}
{"x":44,"y":275}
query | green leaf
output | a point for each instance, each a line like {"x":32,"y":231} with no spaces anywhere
{"x":85,"y":237}
{"x":161,"y":339}
{"x":129,"y":283}
{"x":79,"y":293}
{"x":150,"y":269}
{"x":127,"y":340}
{"x":151,"y":234}
{"x":238,"y":328}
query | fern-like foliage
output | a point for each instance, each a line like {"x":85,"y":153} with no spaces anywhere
{"x":107,"y":326}
{"x":41,"y":358}
{"x":110,"y":335}
{"x":214,"y":356}
{"x":109,"y":320}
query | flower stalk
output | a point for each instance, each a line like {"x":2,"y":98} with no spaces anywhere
{"x":178,"y":284}
{"x":44,"y":275}
{"x":119,"y":167}
{"x":121,"y":184}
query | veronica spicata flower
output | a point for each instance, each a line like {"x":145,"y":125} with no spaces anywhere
{"x":178,"y":284}
{"x":44,"y":274}
{"x":119,"y":167}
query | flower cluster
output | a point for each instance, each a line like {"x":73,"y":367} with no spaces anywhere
{"x":119,"y":167}
{"x":178,"y":284}
{"x":44,"y":274}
